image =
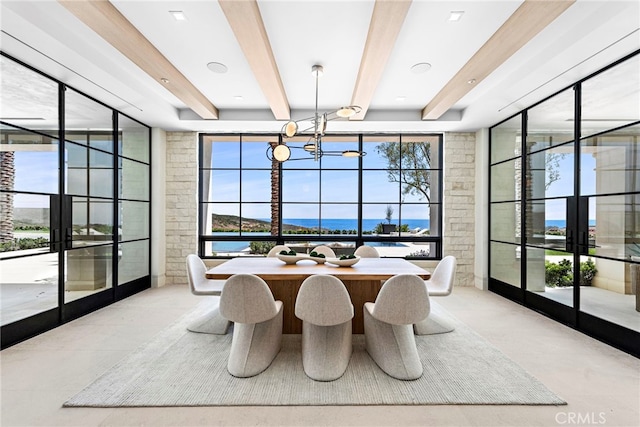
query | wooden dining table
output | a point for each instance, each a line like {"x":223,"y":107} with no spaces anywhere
{"x":362,"y":280}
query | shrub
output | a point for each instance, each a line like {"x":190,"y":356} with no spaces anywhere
{"x":261,"y":248}
{"x":24,"y":243}
{"x":558,"y":275}
{"x":561,"y":274}
{"x":419,"y":254}
{"x":588,"y":271}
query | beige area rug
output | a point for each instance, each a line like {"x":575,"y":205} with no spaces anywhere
{"x":182,"y":368}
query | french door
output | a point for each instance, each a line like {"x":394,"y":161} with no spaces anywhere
{"x":564,"y":213}
{"x":74,"y":203}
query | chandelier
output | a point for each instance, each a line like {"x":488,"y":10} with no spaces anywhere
{"x":312,"y":149}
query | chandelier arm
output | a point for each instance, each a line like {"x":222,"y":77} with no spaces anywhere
{"x":319,"y":124}
{"x":300,"y":158}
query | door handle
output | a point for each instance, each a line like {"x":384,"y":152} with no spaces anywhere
{"x":569,"y":241}
{"x":54,"y":240}
{"x":68,"y":237}
{"x":581,"y":239}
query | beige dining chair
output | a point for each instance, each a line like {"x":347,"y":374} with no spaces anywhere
{"x":324,"y":306}
{"x":388,"y":325}
{"x":366,"y":251}
{"x":212,"y":322}
{"x":325,"y":250}
{"x":439,"y":285}
{"x":277,"y":249}
{"x":247,"y":301}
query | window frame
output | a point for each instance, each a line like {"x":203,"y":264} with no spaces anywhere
{"x":359,"y":238}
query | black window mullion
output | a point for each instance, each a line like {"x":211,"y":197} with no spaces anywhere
{"x":116,"y":203}
{"x":240,"y":203}
{"x":576,"y":192}
{"x":523,"y":203}
{"x":61,"y":194}
{"x":359,"y":240}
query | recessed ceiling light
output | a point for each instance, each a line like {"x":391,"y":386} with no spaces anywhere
{"x":421,"y":67}
{"x":217,"y":67}
{"x":164,"y":80}
{"x":455,"y":15}
{"x":401,"y":98}
{"x":471,"y":81}
{"x":178,"y":15}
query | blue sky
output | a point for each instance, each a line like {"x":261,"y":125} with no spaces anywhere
{"x":301,"y":183}
{"x":37,"y":172}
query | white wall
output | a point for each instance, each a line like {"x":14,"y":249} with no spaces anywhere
{"x":158,"y":204}
{"x":481,"y":256}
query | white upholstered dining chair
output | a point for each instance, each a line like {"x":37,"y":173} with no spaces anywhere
{"x":277,"y":249}
{"x":439,"y":285}
{"x":324,"y":306}
{"x":247,"y":301}
{"x":212,"y":322}
{"x":388,"y":325}
{"x":366,"y":251}
{"x":324,"y":250}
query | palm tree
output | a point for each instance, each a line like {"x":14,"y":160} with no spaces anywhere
{"x":7,"y":179}
{"x":275,"y":197}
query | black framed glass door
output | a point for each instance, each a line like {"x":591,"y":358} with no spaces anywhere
{"x":564,"y":193}
{"x":74,"y":198}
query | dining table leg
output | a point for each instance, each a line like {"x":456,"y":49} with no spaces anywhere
{"x":361,"y":291}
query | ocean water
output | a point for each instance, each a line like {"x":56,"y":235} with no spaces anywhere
{"x":330,"y":224}
{"x":350,"y":224}
{"x":370,"y":224}
{"x":561,"y":223}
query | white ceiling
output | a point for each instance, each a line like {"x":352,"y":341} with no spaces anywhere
{"x":586,"y":37}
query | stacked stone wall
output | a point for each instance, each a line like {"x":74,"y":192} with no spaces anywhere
{"x":181,"y":203}
{"x":459,"y":203}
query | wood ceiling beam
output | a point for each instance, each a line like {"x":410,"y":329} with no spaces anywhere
{"x":523,"y":25}
{"x":246,"y":22}
{"x":107,"y":21}
{"x":386,"y":21}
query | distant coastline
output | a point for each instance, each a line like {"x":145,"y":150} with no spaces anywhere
{"x":230,"y":222}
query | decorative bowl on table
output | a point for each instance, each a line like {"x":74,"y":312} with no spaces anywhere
{"x":290,"y":257}
{"x":319,"y":258}
{"x":344,"y":261}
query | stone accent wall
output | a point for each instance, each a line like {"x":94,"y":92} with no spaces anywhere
{"x":181,"y":203}
{"x":459,"y":203}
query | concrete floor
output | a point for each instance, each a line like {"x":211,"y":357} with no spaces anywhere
{"x":612,"y":306}
{"x":600,"y":384}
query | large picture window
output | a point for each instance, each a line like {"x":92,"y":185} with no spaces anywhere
{"x":389,"y":199}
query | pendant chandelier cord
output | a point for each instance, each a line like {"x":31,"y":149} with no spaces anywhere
{"x":282,"y":152}
{"x":316,"y":121}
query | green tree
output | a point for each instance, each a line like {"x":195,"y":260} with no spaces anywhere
{"x":552,"y":168}
{"x":415,"y":159}
{"x":388,"y":213}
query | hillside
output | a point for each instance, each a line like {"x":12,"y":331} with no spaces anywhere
{"x":230,"y":223}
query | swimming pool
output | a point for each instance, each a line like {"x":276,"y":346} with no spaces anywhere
{"x":386,"y":244}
